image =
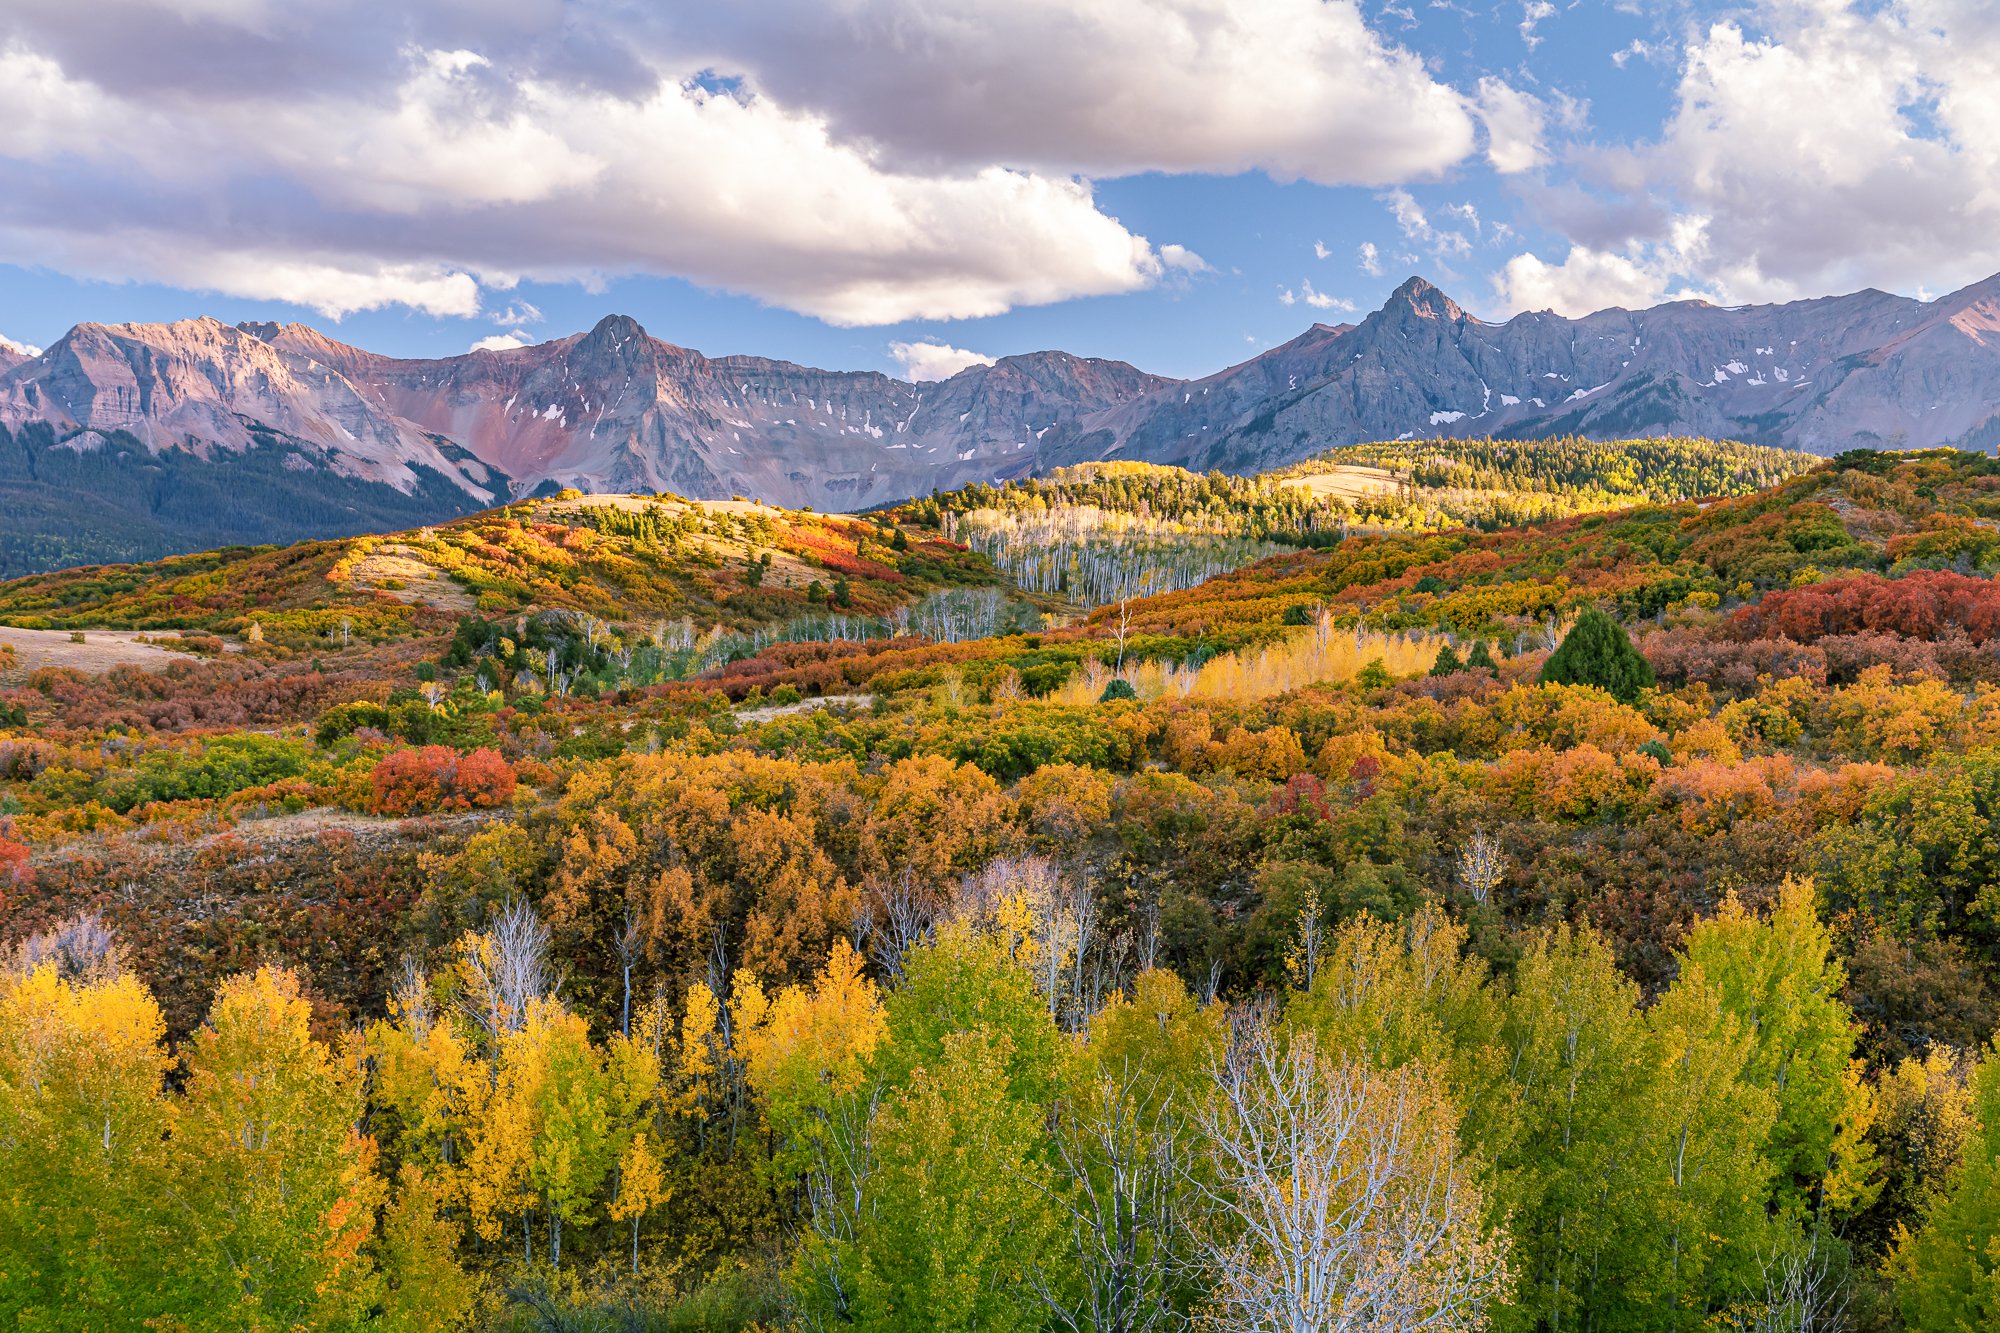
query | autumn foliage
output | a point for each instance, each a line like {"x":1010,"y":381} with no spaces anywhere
{"x":437,"y":777}
{"x":1926,"y":604}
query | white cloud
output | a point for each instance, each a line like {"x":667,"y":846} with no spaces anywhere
{"x":1316,"y":299}
{"x":1532,"y":14}
{"x":1320,"y":251}
{"x":1640,"y":49}
{"x":352,"y":156}
{"x":934,"y":360}
{"x":1371,"y":259}
{"x":517,"y":313}
{"x":1303,"y":89}
{"x":503,"y":342}
{"x":1815,"y":146}
{"x":1586,"y":280}
{"x":18,"y":348}
{"x":1416,"y":226}
{"x":1515,"y":127}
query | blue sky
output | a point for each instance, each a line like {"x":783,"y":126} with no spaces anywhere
{"x":1175,"y":183}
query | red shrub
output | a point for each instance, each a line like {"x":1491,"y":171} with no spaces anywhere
{"x":485,"y":780}
{"x":409,"y":782}
{"x":15,"y":872}
{"x":1928,"y":604}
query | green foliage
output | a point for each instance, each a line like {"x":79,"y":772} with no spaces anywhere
{"x":1447,"y":663}
{"x":1596,"y":652}
{"x":1949,"y":1267}
{"x":1117,"y":688}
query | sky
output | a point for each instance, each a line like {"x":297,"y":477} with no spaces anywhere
{"x":913,"y":185}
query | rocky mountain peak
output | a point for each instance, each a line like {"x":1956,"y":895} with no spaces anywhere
{"x":1424,"y":300}
{"x":614,"y":330}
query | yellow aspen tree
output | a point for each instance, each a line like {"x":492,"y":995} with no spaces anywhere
{"x":274,"y":1163}
{"x":426,"y":1291}
{"x":805,"y":1049}
{"x":573,"y":1145}
{"x":88,"y":1237}
{"x":642,"y":1187}
{"x":500,"y":1142}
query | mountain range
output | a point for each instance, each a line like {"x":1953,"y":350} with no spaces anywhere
{"x":174,"y":436}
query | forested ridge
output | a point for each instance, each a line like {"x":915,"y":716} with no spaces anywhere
{"x":1580,"y":926}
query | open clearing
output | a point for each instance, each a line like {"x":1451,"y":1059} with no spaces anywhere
{"x":1349,"y":481}
{"x":100,"y":650}
{"x":402,"y":573}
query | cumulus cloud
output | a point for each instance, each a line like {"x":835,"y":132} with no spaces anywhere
{"x":350,"y":156}
{"x":503,"y":342}
{"x":1516,"y":125}
{"x":1813,"y":147}
{"x":934,"y":360}
{"x":1370,"y":259}
{"x":518,"y":313}
{"x":1588,"y":280}
{"x":18,"y":348}
{"x":1302,"y":89}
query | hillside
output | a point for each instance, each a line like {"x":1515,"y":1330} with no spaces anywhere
{"x":636,"y":560}
{"x":1102,"y":532}
{"x":1559,"y":855}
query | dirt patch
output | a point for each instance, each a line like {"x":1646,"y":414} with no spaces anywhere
{"x":769,"y":711}
{"x":100,"y":650}
{"x":402,"y":573}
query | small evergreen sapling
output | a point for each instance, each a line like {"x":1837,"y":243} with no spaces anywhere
{"x":1596,"y":652}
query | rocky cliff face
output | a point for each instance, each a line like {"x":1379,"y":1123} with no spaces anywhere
{"x":203,"y":387}
{"x":1868,"y":370}
{"x":616,"y":409}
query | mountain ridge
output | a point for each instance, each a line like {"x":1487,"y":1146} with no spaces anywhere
{"x":614,"y":408}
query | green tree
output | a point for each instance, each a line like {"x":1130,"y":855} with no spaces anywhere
{"x":1576,"y":1048}
{"x":1118,"y":688}
{"x":961,"y":1225}
{"x":1447,"y":663}
{"x":1481,"y":658}
{"x":1948,"y":1269}
{"x":1597,"y":652}
{"x":1778,"y":976}
{"x":1707,"y":1122}
{"x":843,"y":593}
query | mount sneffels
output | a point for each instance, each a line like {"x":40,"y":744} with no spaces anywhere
{"x":129,"y":441}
